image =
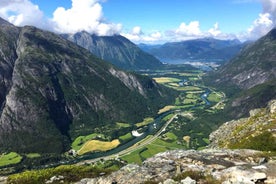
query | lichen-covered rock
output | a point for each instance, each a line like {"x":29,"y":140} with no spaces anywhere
{"x":188,"y":180}
{"x":272,"y":106}
{"x":228,"y":166}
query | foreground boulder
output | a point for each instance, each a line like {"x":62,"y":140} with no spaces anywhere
{"x":220,"y":166}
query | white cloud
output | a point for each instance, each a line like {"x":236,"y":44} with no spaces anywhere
{"x":138,"y":36}
{"x":22,"y":12}
{"x":215,"y":31}
{"x":83,"y":15}
{"x":191,"y":29}
{"x":269,"y":6}
{"x":135,"y":35}
{"x":153,"y":37}
{"x":264,"y":23}
{"x":260,"y":26}
{"x":137,"y":31}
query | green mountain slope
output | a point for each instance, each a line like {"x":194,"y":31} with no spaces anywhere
{"x":255,"y":132}
{"x":250,"y":78}
{"x":116,"y":49}
{"x":53,"y":91}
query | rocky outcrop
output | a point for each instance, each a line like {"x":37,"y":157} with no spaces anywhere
{"x":252,"y":132}
{"x":180,"y":166}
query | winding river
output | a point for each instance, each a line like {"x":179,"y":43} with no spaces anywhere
{"x":152,"y":129}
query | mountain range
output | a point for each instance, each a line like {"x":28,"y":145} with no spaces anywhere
{"x":116,"y":49}
{"x":249,"y":79}
{"x":204,"y":49}
{"x":52,"y":91}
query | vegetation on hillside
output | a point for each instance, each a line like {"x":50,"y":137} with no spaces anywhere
{"x":65,"y":173}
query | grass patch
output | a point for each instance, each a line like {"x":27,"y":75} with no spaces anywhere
{"x":126,"y":137}
{"x":189,"y":88}
{"x":168,"y":117}
{"x":133,"y":157}
{"x":188,"y":74}
{"x":81,"y":140}
{"x":71,"y":173}
{"x":166,"y":108}
{"x":151,"y":150}
{"x":189,"y":101}
{"x":122,"y":125}
{"x":33,"y":155}
{"x":96,"y":145}
{"x":206,"y":140}
{"x":214,"y":97}
{"x":171,"y":136}
{"x":173,"y":84}
{"x":10,"y":158}
{"x":166,"y":80}
{"x":263,"y":142}
{"x":145,"y":122}
{"x":167,"y":145}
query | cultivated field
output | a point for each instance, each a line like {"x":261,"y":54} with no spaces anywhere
{"x":96,"y":145}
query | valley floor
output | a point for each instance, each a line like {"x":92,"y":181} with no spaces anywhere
{"x":182,"y":125}
{"x":177,"y":131}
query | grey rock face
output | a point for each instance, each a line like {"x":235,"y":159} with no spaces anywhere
{"x":225,"y":166}
{"x":249,"y":79}
{"x":188,"y":180}
{"x":253,"y":66}
{"x":52,"y":91}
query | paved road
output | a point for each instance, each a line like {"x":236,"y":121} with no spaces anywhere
{"x":135,"y":147}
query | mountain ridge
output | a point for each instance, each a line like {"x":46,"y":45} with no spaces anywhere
{"x":249,"y":79}
{"x":203,"y":49}
{"x":53,"y":91}
{"x":116,"y":49}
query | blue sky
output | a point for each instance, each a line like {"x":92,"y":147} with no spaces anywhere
{"x":148,"y":21}
{"x":161,"y":14}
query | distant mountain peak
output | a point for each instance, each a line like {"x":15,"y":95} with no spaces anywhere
{"x":115,"y":49}
{"x":202,"y":49}
{"x":272,"y":34}
{"x":3,"y":22}
{"x":52,"y":91}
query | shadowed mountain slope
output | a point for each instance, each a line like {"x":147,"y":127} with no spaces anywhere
{"x":115,"y":49}
{"x":52,"y":91}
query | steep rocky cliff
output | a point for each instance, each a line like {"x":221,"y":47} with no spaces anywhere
{"x":116,"y":49}
{"x":249,"y":79}
{"x":52,"y":90}
{"x":255,"y":65}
